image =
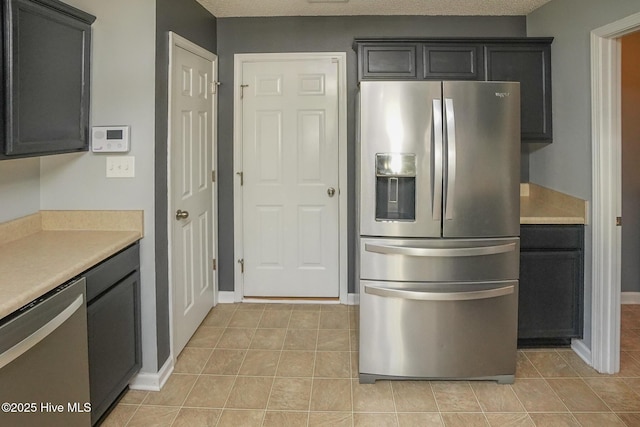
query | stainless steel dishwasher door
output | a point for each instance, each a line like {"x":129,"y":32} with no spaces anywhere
{"x":44,"y":371}
{"x":438,"y":330}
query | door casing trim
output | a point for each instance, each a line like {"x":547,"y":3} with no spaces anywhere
{"x":607,"y":192}
{"x":177,"y":41}
{"x":239,"y":60}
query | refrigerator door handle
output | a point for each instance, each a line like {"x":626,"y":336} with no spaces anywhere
{"x":436,"y":191}
{"x":439,"y":252}
{"x":439,"y":296}
{"x":451,"y":158}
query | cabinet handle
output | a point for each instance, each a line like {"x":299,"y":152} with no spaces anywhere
{"x":439,"y":252}
{"x":439,"y":296}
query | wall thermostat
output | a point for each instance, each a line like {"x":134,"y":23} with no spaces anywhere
{"x":110,"y":139}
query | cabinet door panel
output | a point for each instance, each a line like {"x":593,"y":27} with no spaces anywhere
{"x":550,"y":290}
{"x":114,"y":343}
{"x":552,"y":237}
{"x":47,"y":56}
{"x":452,"y":62}
{"x":531,"y":66}
{"x":104,"y":275}
{"x":396,"y":61}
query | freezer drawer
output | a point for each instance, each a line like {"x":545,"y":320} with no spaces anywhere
{"x":438,"y":330}
{"x":433,"y":260}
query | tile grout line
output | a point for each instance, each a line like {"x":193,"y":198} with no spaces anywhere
{"x":484,"y":414}
{"x":541,"y":377}
{"x":198,"y":375}
{"x":593,"y":391}
{"x":573,"y":417}
{"x":264,"y":417}
{"x":564,"y":357}
{"x":526,"y":411}
{"x":134,"y":413}
{"x":435,"y":399}
{"x":554,"y":391}
{"x":235,"y":379}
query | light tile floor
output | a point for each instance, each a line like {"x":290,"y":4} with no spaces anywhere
{"x":296,"y":365}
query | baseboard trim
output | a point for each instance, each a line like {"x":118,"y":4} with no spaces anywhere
{"x":584,"y":352}
{"x":353,"y":299}
{"x":152,"y":382}
{"x":630,"y":297}
{"x":226,"y":297}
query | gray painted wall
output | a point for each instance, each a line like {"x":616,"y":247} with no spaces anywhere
{"x":122,"y":93}
{"x":309,"y":34}
{"x":19,"y":188}
{"x":565,"y":165}
{"x":190,"y":20}
{"x":630,"y":275}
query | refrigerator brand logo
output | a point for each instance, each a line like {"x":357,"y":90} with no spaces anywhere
{"x":503,"y":94}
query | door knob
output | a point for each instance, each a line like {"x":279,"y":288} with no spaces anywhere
{"x":331,"y":191}
{"x":180,"y":214}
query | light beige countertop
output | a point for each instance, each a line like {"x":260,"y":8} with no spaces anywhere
{"x":46,"y":249}
{"x":540,"y":205}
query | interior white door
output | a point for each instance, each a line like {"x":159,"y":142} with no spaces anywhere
{"x":290,"y":173}
{"x":191,"y":206}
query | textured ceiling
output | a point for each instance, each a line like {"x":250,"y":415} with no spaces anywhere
{"x":237,"y":8}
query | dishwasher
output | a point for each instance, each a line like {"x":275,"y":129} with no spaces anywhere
{"x":44,"y":372}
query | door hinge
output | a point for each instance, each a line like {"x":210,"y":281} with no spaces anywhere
{"x":241,"y":175}
{"x":214,"y":87}
{"x":215,"y":264}
{"x":618,"y":221}
{"x":213,"y":176}
{"x":241,"y":262}
{"x":242,"y":90}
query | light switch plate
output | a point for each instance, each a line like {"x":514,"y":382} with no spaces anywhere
{"x":121,"y":167}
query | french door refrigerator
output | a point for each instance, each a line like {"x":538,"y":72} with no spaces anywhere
{"x":439,"y":207}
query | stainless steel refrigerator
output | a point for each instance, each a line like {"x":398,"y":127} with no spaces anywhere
{"x":439,"y":207}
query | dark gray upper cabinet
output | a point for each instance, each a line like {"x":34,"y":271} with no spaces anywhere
{"x":46,"y":70}
{"x":530,"y":64}
{"x":448,"y":61}
{"x":525,"y":60}
{"x":388,"y":61}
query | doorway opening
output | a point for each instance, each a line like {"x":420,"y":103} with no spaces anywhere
{"x":607,"y":194}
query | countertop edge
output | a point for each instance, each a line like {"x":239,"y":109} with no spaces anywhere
{"x":541,"y":205}
{"x":41,"y":251}
{"x":15,"y":295}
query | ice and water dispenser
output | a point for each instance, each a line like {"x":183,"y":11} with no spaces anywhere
{"x":395,"y":187}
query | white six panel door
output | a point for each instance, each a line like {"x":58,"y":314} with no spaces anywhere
{"x":191,"y":158}
{"x":290,"y":167}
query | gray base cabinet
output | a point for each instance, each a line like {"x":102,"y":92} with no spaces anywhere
{"x":113,"y":323}
{"x":551,"y":297}
{"x":526,"y":60}
{"x":46,"y":56}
